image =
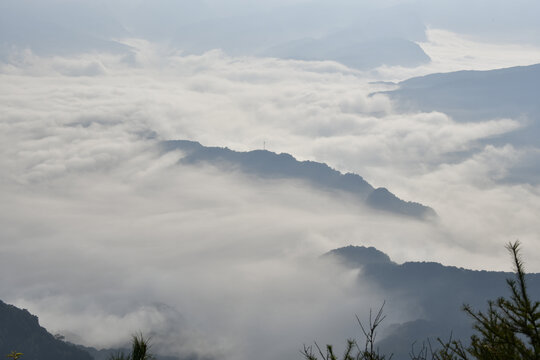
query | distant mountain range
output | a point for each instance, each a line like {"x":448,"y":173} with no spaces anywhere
{"x":474,"y":95}
{"x":266,"y":164}
{"x":313,"y":31}
{"x":439,"y":291}
{"x":359,"y":34}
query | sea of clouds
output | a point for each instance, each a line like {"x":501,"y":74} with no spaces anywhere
{"x":102,"y":234}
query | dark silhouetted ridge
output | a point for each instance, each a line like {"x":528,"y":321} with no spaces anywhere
{"x":436,"y":292}
{"x":383,"y":199}
{"x":357,"y":256}
{"x":20,"y":331}
{"x":267,"y":164}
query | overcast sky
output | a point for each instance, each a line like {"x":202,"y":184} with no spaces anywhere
{"x":102,"y":234}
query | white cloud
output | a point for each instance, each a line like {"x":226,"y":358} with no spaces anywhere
{"x":103,"y":226}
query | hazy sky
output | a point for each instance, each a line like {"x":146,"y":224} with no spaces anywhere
{"x":103,"y":235}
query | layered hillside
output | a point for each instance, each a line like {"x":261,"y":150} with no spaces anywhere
{"x":436,"y":291}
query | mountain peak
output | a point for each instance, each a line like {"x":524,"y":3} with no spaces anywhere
{"x":358,"y":256}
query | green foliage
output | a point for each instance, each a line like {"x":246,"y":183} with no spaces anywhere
{"x":508,"y":330}
{"x":140,"y":347}
{"x":14,"y":355}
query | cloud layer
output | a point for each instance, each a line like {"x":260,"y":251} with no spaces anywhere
{"x":104,"y":235}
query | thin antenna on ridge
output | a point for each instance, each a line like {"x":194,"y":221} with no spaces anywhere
{"x":264,"y":145}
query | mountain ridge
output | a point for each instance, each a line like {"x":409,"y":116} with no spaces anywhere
{"x":473,"y":95}
{"x":438,"y":291}
{"x":20,"y":331}
{"x":264,"y":163}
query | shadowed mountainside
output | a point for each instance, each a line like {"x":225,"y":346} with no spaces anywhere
{"x":263,"y":163}
{"x":439,"y":291}
{"x":20,"y":331}
{"x":474,"y":95}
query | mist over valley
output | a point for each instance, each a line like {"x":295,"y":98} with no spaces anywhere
{"x":181,"y":168}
